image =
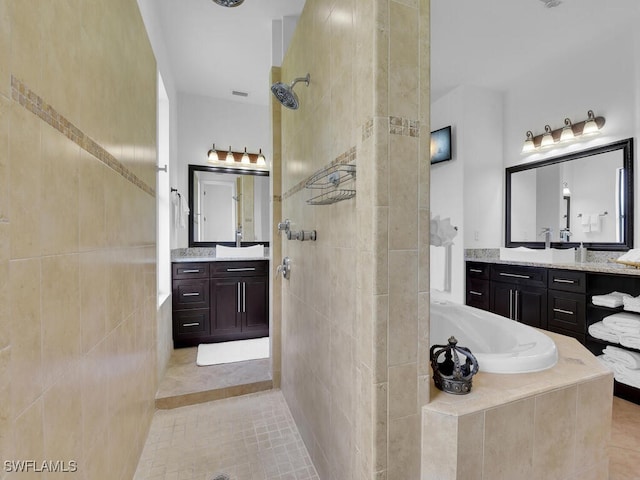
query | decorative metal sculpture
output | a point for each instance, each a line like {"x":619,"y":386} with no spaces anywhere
{"x":450,"y":375}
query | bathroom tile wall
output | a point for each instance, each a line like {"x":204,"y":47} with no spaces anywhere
{"x":77,"y":235}
{"x":355,"y":310}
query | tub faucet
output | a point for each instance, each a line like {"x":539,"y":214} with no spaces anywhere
{"x":546,"y":231}
{"x":239,"y":236}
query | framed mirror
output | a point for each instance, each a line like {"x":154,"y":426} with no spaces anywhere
{"x":222,"y":200}
{"x":584,"y":197}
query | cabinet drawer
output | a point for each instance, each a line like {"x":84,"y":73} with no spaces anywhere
{"x":519,"y":275}
{"x":567,"y":311}
{"x":478,"y":270}
{"x":478,"y":293}
{"x":190,"y":294}
{"x":567,"y":281}
{"x":190,"y":270}
{"x":242,"y":268}
{"x":191,"y":322}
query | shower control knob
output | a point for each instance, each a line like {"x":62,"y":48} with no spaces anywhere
{"x":284,"y":268}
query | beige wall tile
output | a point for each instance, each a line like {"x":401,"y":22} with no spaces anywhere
{"x":5,"y":109}
{"x":5,"y":48}
{"x":470,"y":446}
{"x":28,"y":436}
{"x":61,"y":332}
{"x":403,"y":307}
{"x":404,"y":447}
{"x":508,"y":441}
{"x":91,"y":208}
{"x":6,"y":417}
{"x":403,"y":201}
{"x":5,"y":285}
{"x":555,"y":441}
{"x":594,"y":402}
{"x":25,"y":170}
{"x":439,"y":459}
{"x":403,"y":390}
{"x":26,"y":335}
{"x":58,"y":222}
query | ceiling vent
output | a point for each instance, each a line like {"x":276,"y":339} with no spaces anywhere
{"x":239,"y":94}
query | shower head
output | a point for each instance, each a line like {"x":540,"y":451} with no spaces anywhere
{"x":285,"y":94}
{"x":228,"y":3}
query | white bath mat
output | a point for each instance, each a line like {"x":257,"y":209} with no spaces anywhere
{"x":229,"y":352}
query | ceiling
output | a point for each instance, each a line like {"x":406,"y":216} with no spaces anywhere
{"x":214,"y":50}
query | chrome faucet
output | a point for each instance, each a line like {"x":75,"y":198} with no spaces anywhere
{"x":239,"y":236}
{"x":546,"y":231}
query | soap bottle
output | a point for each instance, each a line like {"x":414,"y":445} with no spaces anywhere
{"x":582,"y":252}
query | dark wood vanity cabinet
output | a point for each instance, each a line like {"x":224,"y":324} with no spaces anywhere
{"x":219,"y":301}
{"x":478,"y":285}
{"x":519,"y":293}
{"x":566,"y":312}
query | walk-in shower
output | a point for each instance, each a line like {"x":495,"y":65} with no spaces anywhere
{"x":285,"y":94}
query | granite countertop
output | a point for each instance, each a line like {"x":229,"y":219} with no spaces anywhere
{"x":208,"y":254}
{"x":597,"y":267}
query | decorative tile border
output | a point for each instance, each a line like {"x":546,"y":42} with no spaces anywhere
{"x":404,"y":126}
{"x":367,"y":129}
{"x":36,"y":105}
{"x":347,"y":157}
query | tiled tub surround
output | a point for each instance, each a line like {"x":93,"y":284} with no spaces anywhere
{"x":553,"y":424}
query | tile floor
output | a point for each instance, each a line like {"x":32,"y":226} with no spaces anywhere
{"x":252,"y":437}
{"x":185,"y":383}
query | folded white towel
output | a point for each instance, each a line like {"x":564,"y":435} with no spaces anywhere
{"x":623,"y":322}
{"x":612,"y":300}
{"x":632,"y":304}
{"x":627,"y":380}
{"x":594,"y":222}
{"x":632,"y":255}
{"x":624,"y":357}
{"x":629,"y":340}
{"x":607,"y":362}
{"x":601,"y":331}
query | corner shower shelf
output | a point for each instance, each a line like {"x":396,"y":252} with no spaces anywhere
{"x":330,"y":181}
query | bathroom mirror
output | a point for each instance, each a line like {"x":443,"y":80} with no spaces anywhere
{"x":584,"y":197}
{"x":222,"y":199}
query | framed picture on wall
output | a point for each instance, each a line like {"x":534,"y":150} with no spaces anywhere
{"x":441,"y":145}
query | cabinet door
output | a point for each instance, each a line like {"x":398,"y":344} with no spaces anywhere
{"x":502,"y":299}
{"x":531,"y":307}
{"x":478,"y":293}
{"x":226,"y":306}
{"x":567,"y":311}
{"x":255,"y":305}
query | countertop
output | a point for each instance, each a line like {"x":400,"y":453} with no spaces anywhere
{"x":208,"y":254}
{"x":597,"y":267}
{"x":215,"y":259}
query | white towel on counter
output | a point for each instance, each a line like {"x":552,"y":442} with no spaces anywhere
{"x":626,"y":358}
{"x":601,"y":331}
{"x":632,"y":255}
{"x":629,"y":340}
{"x":594,"y":222}
{"x":621,"y":373}
{"x":611,"y":300}
{"x":623,"y":322}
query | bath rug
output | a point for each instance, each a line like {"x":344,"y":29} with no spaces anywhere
{"x":229,"y":352}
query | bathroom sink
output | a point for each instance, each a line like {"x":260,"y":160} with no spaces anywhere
{"x":254,"y":251}
{"x":548,"y":255}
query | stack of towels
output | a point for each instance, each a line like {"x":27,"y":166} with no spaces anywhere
{"x":622,"y":328}
{"x":632,"y":255}
{"x":624,"y":364}
{"x":611,"y":300}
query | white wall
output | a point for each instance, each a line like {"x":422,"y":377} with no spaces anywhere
{"x":203,"y":121}
{"x":468,"y":188}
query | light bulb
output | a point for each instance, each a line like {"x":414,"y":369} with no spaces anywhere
{"x":212,"y":154}
{"x":245,"y":157}
{"x":567,"y":132}
{"x":590,"y":126}
{"x":547,"y":138}
{"x":230,"y":158}
{"x":261,"y":162}
{"x":528,"y":146}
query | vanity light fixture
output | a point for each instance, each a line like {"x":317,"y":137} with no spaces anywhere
{"x":528,"y":143}
{"x":567,"y":131}
{"x":230,"y":158}
{"x":570,"y":132}
{"x":565,"y":190}
{"x":245,"y":157}
{"x":212,"y":155}
{"x":547,"y":138}
{"x":235,"y":159}
{"x":261,"y":161}
{"x":590,"y":126}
